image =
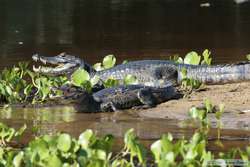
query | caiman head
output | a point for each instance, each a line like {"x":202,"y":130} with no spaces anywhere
{"x":61,"y":64}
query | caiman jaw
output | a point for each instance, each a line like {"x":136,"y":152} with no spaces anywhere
{"x":63,"y":66}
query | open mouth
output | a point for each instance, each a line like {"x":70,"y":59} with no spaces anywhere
{"x":59,"y":64}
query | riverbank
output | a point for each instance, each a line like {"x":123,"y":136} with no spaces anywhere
{"x":235,"y":97}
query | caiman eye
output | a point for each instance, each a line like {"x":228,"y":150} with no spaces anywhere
{"x":63,"y":55}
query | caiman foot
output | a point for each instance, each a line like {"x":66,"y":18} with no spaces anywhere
{"x":108,"y":107}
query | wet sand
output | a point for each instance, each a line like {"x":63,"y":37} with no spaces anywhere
{"x":235,"y":97}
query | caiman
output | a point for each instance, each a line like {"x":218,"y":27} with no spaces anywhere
{"x":153,"y":79}
{"x":156,"y":73}
{"x":120,"y":97}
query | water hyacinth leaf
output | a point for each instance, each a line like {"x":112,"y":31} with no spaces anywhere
{"x":27,"y":90}
{"x":194,"y":112}
{"x":248,"y":57}
{"x":21,"y":130}
{"x":170,"y":137}
{"x":209,"y":106}
{"x":156,"y":149}
{"x":94,"y":80}
{"x":109,"y":61}
{"x":98,"y":67}
{"x":87,"y":86}
{"x":192,"y":58}
{"x":85,"y":138}
{"x":132,"y":144}
{"x":111,"y":83}
{"x":125,"y":62}
{"x":130,"y":79}
{"x":206,"y":56}
{"x":17,"y":161}
{"x":170,"y":157}
{"x":8,"y":90}
{"x":79,"y":77}
{"x":39,"y":149}
{"x":64,"y":142}
{"x":180,"y":60}
{"x":101,"y":154}
{"x":221,"y":108}
{"x":54,"y":161}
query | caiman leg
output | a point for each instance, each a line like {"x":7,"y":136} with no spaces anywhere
{"x":108,"y":106}
{"x":217,"y":74}
{"x":144,"y":96}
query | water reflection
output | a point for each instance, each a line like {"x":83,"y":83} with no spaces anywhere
{"x":131,"y":29}
{"x":145,"y":29}
{"x":51,"y":120}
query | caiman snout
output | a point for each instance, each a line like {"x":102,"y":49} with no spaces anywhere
{"x":64,"y":64}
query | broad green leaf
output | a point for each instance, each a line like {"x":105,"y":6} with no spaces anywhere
{"x":17,"y":161}
{"x":192,"y":58}
{"x":100,"y":154}
{"x":130,"y":79}
{"x":8,"y":90}
{"x":79,"y":77}
{"x":170,"y":137}
{"x":133,"y":146}
{"x":248,"y":57}
{"x":21,"y":130}
{"x":54,"y":161}
{"x":156,"y":149}
{"x":85,"y":137}
{"x":180,"y":60}
{"x":40,"y":147}
{"x":206,"y":56}
{"x":125,"y":62}
{"x":64,"y":142}
{"x":109,"y":61}
{"x":111,"y":83}
{"x":98,"y":67}
{"x":209,"y":106}
{"x":94,"y":80}
{"x":170,"y":157}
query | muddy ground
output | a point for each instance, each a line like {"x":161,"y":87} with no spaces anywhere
{"x":235,"y":97}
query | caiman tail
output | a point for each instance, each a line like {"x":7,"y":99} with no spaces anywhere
{"x":217,"y":74}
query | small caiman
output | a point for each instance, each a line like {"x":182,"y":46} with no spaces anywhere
{"x":157,"y":73}
{"x":120,"y":97}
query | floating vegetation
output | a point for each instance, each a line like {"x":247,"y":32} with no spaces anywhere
{"x":193,"y":58}
{"x":19,"y":84}
{"x":90,"y":150}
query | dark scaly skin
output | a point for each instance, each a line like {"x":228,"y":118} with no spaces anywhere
{"x":159,"y":73}
{"x":219,"y":74}
{"x":122,"y":97}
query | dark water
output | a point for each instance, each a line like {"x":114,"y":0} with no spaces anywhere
{"x":42,"y":121}
{"x":130,"y":29}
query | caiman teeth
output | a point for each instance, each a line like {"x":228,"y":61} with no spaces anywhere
{"x":36,"y":69}
{"x":43,"y":61}
{"x":35,"y":57}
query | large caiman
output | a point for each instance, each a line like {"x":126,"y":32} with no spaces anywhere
{"x":156,"y":73}
{"x":120,"y":97}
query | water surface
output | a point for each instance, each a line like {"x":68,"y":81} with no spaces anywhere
{"x":131,"y":29}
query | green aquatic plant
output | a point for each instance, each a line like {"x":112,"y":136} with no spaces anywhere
{"x":7,"y":134}
{"x":89,"y":150}
{"x":81,"y":78}
{"x":248,"y":57}
{"x":107,"y":62}
{"x":12,"y":83}
{"x":19,"y":84}
{"x":192,"y":58}
{"x":46,"y":87}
